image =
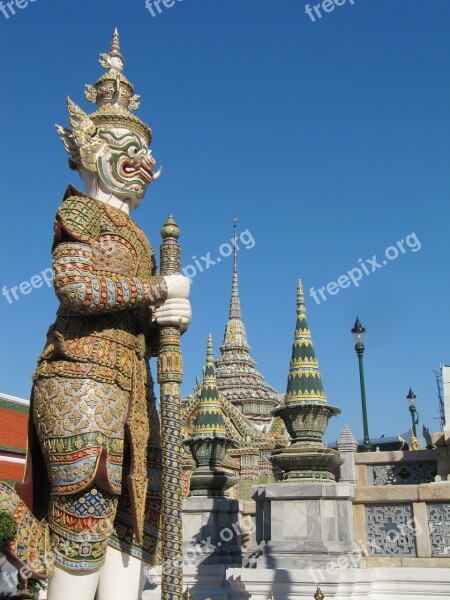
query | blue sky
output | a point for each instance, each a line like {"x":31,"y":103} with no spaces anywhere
{"x":329,"y":140}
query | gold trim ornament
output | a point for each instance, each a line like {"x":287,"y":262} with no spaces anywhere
{"x":187,"y":594}
{"x":318,"y":595}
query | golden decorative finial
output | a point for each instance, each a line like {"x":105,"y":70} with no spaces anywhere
{"x":209,"y":351}
{"x":170,"y":229}
{"x":114,"y":94}
{"x":300,"y":295}
{"x":113,"y":61}
{"x":115,"y":45}
{"x":187,"y":594}
{"x":318,"y":595}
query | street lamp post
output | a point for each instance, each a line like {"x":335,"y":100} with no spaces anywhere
{"x":411,"y":397}
{"x":358,"y":335}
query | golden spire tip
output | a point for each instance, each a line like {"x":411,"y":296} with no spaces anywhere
{"x":209,"y":350}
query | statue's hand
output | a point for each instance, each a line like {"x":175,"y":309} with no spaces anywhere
{"x":178,"y":286}
{"x":174,"y":311}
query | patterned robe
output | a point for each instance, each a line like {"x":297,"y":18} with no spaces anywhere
{"x":93,"y":407}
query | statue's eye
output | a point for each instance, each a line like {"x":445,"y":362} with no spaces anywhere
{"x":132,"y":151}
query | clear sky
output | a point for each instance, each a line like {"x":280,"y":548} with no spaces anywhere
{"x":330,"y":140}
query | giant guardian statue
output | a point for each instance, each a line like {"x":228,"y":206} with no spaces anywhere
{"x":89,"y":510}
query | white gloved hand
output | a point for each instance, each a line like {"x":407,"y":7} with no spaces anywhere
{"x":174,"y":311}
{"x":178,"y":286}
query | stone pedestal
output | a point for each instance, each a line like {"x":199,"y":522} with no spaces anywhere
{"x":302,"y":525}
{"x":213,"y":529}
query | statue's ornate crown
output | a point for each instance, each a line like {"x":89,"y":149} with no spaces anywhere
{"x":113,"y":94}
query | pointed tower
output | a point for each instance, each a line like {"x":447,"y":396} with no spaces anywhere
{"x":209,"y":419}
{"x":304,"y":381}
{"x":209,"y":441}
{"x":237,"y":377}
{"x":305,"y":412}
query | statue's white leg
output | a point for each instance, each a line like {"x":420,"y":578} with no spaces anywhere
{"x":121,"y":577}
{"x":72,"y":586}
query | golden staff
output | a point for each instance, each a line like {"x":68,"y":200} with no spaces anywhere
{"x":170,"y":373}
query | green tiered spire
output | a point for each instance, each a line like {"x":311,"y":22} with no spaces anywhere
{"x":209,"y":420}
{"x":209,"y":441}
{"x":304,"y":381}
{"x":305,"y":412}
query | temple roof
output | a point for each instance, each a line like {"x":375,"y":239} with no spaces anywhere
{"x":238,"y":428}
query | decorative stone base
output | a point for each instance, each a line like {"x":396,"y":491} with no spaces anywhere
{"x":210,"y":484}
{"x":220,"y":583}
{"x":307,"y":464}
{"x":302,"y":525}
{"x":307,"y":458}
{"x":340,"y":584}
{"x":306,"y":421}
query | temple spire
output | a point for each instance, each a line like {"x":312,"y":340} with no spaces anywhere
{"x":237,"y":377}
{"x":235,"y":245}
{"x":209,"y":421}
{"x":304,"y":381}
{"x":235,"y":304}
{"x":305,"y":413}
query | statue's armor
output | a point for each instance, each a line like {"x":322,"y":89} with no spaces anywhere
{"x":92,"y":400}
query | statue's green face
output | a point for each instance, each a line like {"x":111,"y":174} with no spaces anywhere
{"x":125,"y":165}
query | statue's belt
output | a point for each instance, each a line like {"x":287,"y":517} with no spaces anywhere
{"x":133,"y":341}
